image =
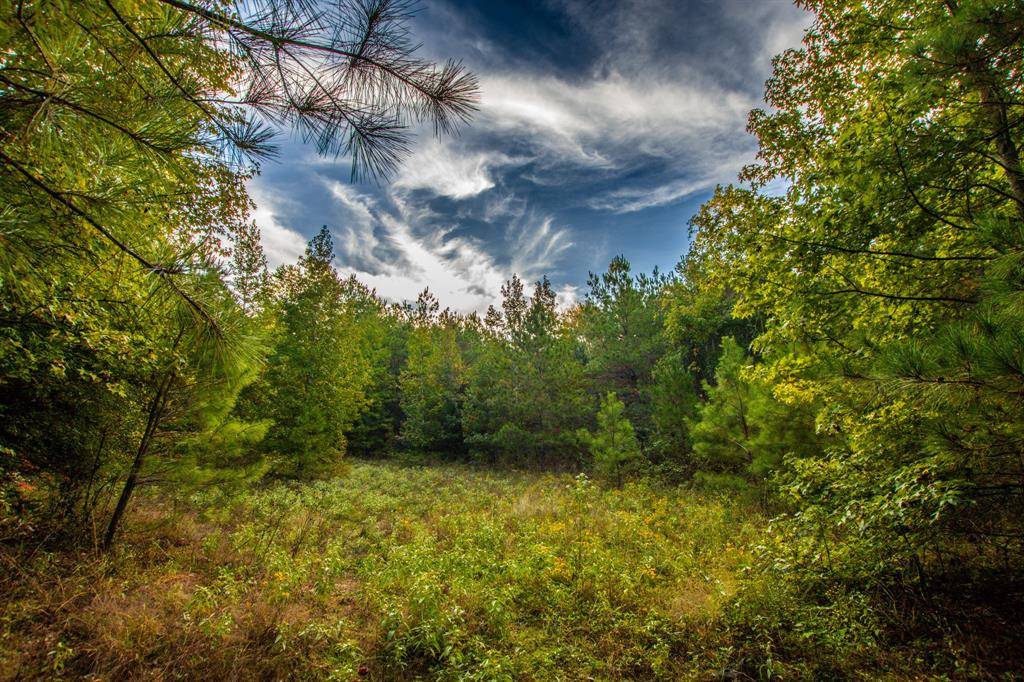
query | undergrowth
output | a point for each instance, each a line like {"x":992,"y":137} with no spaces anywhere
{"x":437,"y":573}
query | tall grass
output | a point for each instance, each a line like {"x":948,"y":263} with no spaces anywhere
{"x":389,"y":572}
{"x":442,"y":572}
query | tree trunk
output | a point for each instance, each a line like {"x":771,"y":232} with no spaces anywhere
{"x":1006,"y":147}
{"x":156,"y":410}
{"x":981,"y":76}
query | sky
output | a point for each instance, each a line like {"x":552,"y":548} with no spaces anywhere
{"x":603,"y":126}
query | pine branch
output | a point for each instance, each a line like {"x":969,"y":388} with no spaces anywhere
{"x":165,"y":274}
{"x":348,"y":80}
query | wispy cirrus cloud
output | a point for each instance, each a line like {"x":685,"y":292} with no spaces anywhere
{"x":607,"y":122}
{"x":443,"y":170}
{"x":603,"y":124}
{"x":632,"y":200}
{"x":398,"y":247}
{"x":617,"y":131}
{"x":536,"y":244}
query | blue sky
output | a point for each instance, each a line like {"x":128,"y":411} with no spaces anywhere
{"x":603,"y":125}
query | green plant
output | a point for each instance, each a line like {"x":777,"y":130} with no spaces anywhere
{"x":613,"y":444}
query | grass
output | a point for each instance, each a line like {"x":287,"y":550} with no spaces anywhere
{"x":450,"y":572}
{"x":390,"y":573}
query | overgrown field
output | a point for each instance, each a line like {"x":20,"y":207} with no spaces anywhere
{"x":390,"y":572}
{"x":447,"y":572}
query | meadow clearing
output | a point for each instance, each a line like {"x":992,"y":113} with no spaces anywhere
{"x":391,"y":572}
{"x":445,"y":572}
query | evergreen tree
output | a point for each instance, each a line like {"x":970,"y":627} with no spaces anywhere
{"x":432,"y":383}
{"x":742,"y":430}
{"x":526,"y":389}
{"x":885,"y":276}
{"x":248,"y":268}
{"x":122,"y":168}
{"x":698,"y":313}
{"x":386,"y":331}
{"x":316,"y":375}
{"x":621,"y":323}
{"x":612,"y":444}
{"x":108,"y":275}
{"x":673,"y":398}
{"x":723,"y":432}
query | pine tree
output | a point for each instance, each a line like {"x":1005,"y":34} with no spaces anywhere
{"x":887,"y":276}
{"x":432,"y":384}
{"x":672,"y":399}
{"x":123,"y":163}
{"x":316,"y":375}
{"x":525,"y":389}
{"x":612,"y":444}
{"x":248,"y":268}
{"x":386,"y":331}
{"x":722,"y":433}
{"x":622,"y":327}
{"x":742,"y":431}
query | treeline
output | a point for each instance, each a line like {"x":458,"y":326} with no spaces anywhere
{"x":626,"y":382}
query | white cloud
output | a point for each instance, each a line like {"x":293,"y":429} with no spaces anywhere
{"x":440,"y":169}
{"x":420,"y":253}
{"x":354,"y":227}
{"x":281,"y":244}
{"x":606,"y":121}
{"x":653,"y":123}
{"x":537,"y":245}
{"x":567,"y":296}
{"x":628,"y":201}
{"x":503,"y":206}
{"x":780,"y":30}
{"x":399,"y":247}
{"x":640,"y":109}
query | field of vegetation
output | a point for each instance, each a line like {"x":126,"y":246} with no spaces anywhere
{"x":391,"y":572}
{"x":443,"y":572}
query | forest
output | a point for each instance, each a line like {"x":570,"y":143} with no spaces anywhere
{"x":799,"y":454}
